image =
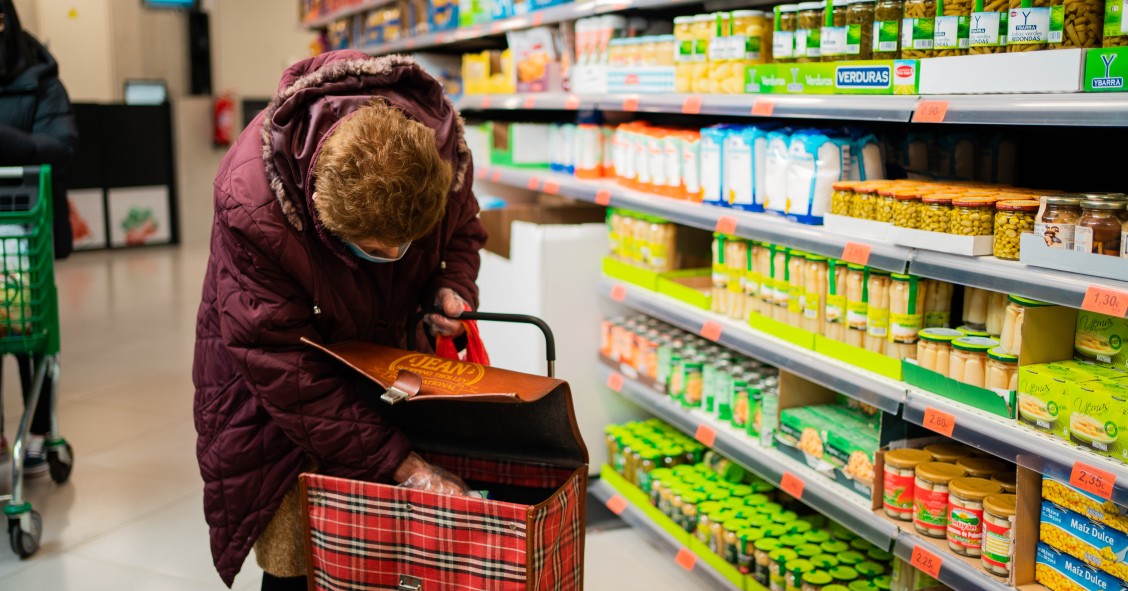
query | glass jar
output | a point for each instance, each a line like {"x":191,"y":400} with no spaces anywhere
{"x":780,"y":290}
{"x":816,"y":536}
{"x":975,"y":467}
{"x":1002,"y":370}
{"x":808,"y":31}
{"x":763,"y":549}
{"x":1013,"y":218}
{"x":860,"y":545}
{"x":707,"y":511}
{"x":996,"y":313}
{"x":842,"y":193}
{"x":934,"y":349}
{"x":843,"y":575}
{"x":1099,"y":228}
{"x":968,"y":362}
{"x":746,"y":554}
{"x":795,"y":569}
{"x":755,"y":36}
{"x":808,"y":550}
{"x":862,"y":584}
{"x":815,"y":286}
{"x":796,"y":288}
{"x":917,"y":29}
{"x":975,"y":308}
{"x":1058,"y":222}
{"x":938,"y":305}
{"x":1121,"y":198}
{"x":815,"y":580}
{"x":885,"y":205}
{"x":877,"y":311}
{"x":973,"y":216}
{"x":859,"y":25}
{"x":857,"y":305}
{"x":703,"y":32}
{"x":936,"y":212}
{"x":883,"y":583}
{"x":998,"y":539}
{"x":948,"y":453}
{"x":870,"y":570}
{"x":952,"y":27}
{"x":783,"y":34}
{"x":906,"y":211}
{"x":965,"y":514}
{"x":988,"y":30}
{"x":851,"y":558}
{"x":898,"y":480}
{"x":825,"y":561}
{"x":907,"y":295}
{"x":777,"y":571}
{"x":930,"y":494}
{"x":730,"y":540}
{"x":867,"y":201}
{"x":833,"y":37}
{"x":683,"y":54}
{"x":887,"y":17}
{"x":834,"y":313}
{"x":1061,"y":23}
{"x":1007,"y":480}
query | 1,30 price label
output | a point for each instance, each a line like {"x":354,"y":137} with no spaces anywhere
{"x":1103,"y":300}
{"x":926,"y":562}
{"x":939,"y":421}
{"x":1092,"y":479}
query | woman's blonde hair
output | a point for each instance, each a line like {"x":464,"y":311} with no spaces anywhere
{"x":380,"y":176}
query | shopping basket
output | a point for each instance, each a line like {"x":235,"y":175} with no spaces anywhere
{"x":29,"y":325}
{"x":510,"y":434}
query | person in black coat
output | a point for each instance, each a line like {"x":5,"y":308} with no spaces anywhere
{"x":37,"y":126}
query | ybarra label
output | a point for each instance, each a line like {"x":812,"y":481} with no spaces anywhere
{"x":863,"y":77}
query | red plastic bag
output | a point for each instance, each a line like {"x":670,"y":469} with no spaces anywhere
{"x":475,"y":351}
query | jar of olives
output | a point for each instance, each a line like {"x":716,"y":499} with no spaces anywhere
{"x":918,"y":29}
{"x":841,"y":196}
{"x":865,"y":202}
{"x":1098,"y":229}
{"x":783,"y":33}
{"x":887,"y":17}
{"x":1013,"y":218}
{"x":936,"y":212}
{"x":808,"y":32}
{"x":906,"y":211}
{"x":973,"y":216}
{"x":859,"y":25}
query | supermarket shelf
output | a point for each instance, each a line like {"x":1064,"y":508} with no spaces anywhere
{"x":548,"y":101}
{"x":860,"y":108}
{"x":758,"y":226}
{"x":819,"y":492}
{"x":1082,"y":109}
{"x":854,"y":382}
{"x":1058,"y":287}
{"x":659,"y":538}
{"x":954,"y":572}
{"x":1007,"y":439}
{"x":322,"y":21}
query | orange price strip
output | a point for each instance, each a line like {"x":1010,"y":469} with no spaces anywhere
{"x":926,"y":561}
{"x":857,"y":253}
{"x":551,"y":187}
{"x":792,"y":485}
{"x":711,"y":330}
{"x":572,"y":102}
{"x":615,"y":382}
{"x":726,"y":224}
{"x":617,"y":504}
{"x":603,"y":197}
{"x":534,"y":184}
{"x":486,"y":100}
{"x":483,"y":172}
{"x":530,"y":102}
{"x":1092,"y":479}
{"x":691,"y":105}
{"x":930,"y":112}
{"x":1103,"y":300}
{"x":538,"y":19}
{"x":630,"y":104}
{"x":619,"y":292}
{"x":939,"y":421}
{"x":496,"y":176}
{"x":686,"y":559}
{"x":706,"y":435}
{"x":763,"y":108}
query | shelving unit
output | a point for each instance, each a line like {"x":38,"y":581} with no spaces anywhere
{"x":322,"y":21}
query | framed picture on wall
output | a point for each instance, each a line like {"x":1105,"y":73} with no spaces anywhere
{"x":139,"y":216}
{"x":88,"y":218}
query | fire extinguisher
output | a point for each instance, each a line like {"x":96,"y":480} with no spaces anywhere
{"x":223,"y":124}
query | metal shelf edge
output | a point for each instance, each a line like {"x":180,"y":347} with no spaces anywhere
{"x":851,"y":107}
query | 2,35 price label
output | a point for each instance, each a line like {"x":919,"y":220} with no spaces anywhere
{"x":939,"y":421}
{"x":926,"y":562}
{"x":1103,"y":300}
{"x":1092,"y":479}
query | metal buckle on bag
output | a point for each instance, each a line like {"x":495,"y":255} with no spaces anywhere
{"x":393,"y":395}
{"x":410,"y":583}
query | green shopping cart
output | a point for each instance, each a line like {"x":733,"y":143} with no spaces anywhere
{"x":29,"y":325}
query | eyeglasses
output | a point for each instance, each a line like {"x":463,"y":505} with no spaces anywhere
{"x":379,"y":255}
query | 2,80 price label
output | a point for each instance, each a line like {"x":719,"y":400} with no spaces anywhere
{"x":926,"y":562}
{"x":939,"y":421}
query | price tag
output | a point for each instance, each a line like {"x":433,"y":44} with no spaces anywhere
{"x":619,"y":292}
{"x":926,"y":562}
{"x":538,"y":19}
{"x":495,"y":28}
{"x":792,"y":485}
{"x":1103,"y":300}
{"x":496,"y":176}
{"x":615,"y":382}
{"x":1093,"y":480}
{"x":857,"y":253}
{"x":603,"y":197}
{"x":930,"y":112}
{"x":534,"y":184}
{"x":706,"y":435}
{"x":572,"y":102}
{"x":486,"y":101}
{"x":691,"y":105}
{"x":440,"y":38}
{"x":939,"y":421}
{"x":551,"y":187}
{"x":630,"y":104}
{"x":686,"y":559}
{"x":410,"y":44}
{"x":711,"y":330}
{"x":483,"y":172}
{"x":617,"y":504}
{"x":530,"y":102}
{"x":726,"y":224}
{"x":763,"y":108}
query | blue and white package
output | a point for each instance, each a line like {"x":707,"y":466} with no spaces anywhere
{"x":817,"y":161}
{"x":736,"y":184}
{"x":712,"y":164}
{"x":866,"y":160}
{"x":776,"y":162}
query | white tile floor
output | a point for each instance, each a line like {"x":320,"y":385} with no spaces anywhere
{"x":131,"y":515}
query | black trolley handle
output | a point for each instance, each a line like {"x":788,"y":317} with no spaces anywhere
{"x":549,"y":340}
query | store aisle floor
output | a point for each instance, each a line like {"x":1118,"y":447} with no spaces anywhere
{"x":130,"y":518}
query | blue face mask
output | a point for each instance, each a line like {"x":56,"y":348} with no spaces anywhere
{"x":361,"y":254}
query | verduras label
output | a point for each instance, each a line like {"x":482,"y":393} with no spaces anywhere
{"x":988,"y":29}
{"x":1035,"y":25}
{"x":951,"y":32}
{"x":885,"y":35}
{"x":917,"y":33}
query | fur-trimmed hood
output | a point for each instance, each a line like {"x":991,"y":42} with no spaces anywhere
{"x":315,"y":94}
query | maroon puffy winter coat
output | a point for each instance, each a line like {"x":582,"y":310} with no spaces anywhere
{"x":266,"y":406}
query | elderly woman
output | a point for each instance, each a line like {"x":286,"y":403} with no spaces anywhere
{"x":343,"y":209}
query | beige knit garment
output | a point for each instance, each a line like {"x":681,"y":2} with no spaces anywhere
{"x":281,"y":549}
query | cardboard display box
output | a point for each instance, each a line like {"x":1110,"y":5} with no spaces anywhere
{"x":970,"y":246}
{"x":543,"y":210}
{"x":1060,"y":70}
{"x":1035,"y":253}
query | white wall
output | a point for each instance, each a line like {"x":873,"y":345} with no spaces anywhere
{"x":79,"y":33}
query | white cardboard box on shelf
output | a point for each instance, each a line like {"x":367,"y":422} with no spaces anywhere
{"x":1035,"y":253}
{"x":971,"y":246}
{"x":879,"y":231}
{"x":588,"y":79}
{"x":1060,"y":70}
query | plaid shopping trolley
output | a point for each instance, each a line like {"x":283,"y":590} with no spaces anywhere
{"x":510,"y":434}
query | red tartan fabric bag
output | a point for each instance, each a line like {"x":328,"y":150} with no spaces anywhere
{"x":512,"y":434}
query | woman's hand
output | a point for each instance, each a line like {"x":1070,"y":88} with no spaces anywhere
{"x":452,"y":305}
{"x":418,"y":474}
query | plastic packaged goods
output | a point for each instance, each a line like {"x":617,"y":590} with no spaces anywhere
{"x":938,"y":304}
{"x":968,"y":362}
{"x":998,"y":538}
{"x":671,"y":161}
{"x":815,"y":279}
{"x":816,"y":163}
{"x":683,"y":56}
{"x":996,"y":313}
{"x":866,"y":160}
{"x":859,"y":34}
{"x":965,"y":514}
{"x":934,"y":349}
{"x":796,"y":287}
{"x":1098,"y":229}
{"x":655,"y":156}
{"x":737,"y":169}
{"x":1056,"y":222}
{"x":975,"y":307}
{"x":857,"y":305}
{"x":907,"y":295}
{"x":930,"y":497}
{"x":917,"y":29}
{"x":833,"y":37}
{"x":951,"y":35}
{"x":776,"y":166}
{"x":988,"y":30}
{"x":1002,"y":370}
{"x":907,"y":209}
{"x":834,"y":314}
{"x":899,"y":478}
{"x":877,"y":311}
{"x":691,"y":165}
{"x":712,"y":162}
{"x":1013,"y":218}
{"x":786,"y":19}
{"x":808,"y":31}
{"x":887,"y":17}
